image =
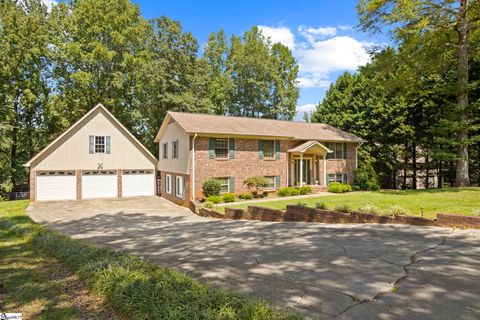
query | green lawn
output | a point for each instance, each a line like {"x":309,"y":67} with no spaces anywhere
{"x":452,"y":200}
{"x":46,"y":275}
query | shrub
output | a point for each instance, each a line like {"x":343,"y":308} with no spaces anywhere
{"x":398,"y":211}
{"x":214,"y":199}
{"x":476,"y":212}
{"x":246,"y":196}
{"x":228,"y":197}
{"x":301,"y":204}
{"x":305,"y":190}
{"x":365,"y":177}
{"x":208,"y":204}
{"x":283,"y":192}
{"x":294,"y":191}
{"x":337,"y":187}
{"x":370,"y":208}
{"x":343,"y":208}
{"x":320,"y":205}
{"x":255,"y":183}
{"x":211,"y":187}
{"x":355,"y":188}
{"x":265,"y":194}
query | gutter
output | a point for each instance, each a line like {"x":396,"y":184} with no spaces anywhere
{"x":192,"y":192}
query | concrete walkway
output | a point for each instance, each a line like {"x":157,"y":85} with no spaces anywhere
{"x":305,"y":196}
{"x":330,"y":271}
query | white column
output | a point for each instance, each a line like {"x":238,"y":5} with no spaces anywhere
{"x":325,"y":170}
{"x":301,"y":169}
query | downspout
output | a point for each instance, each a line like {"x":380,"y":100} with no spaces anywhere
{"x":192,"y":192}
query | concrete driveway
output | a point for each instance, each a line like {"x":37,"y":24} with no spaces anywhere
{"x":330,"y":271}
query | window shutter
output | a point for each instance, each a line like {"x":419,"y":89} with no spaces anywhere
{"x":277,"y":182}
{"x":231,"y":184}
{"x":345,"y":180}
{"x":107,"y":144}
{"x":260,"y":149}
{"x":178,"y":148}
{"x":345,"y":150}
{"x":211,"y":148}
{"x":91,"y":144}
{"x":231,"y":145}
{"x":277,"y":149}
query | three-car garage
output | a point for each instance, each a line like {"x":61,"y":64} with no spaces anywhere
{"x":95,"y":158}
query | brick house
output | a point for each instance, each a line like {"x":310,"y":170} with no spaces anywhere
{"x":197,"y":147}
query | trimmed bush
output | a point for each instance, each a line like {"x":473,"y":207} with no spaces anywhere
{"x":283,"y":192}
{"x":208,"y":204}
{"x":211,"y":187}
{"x":398,"y":211}
{"x":343,"y":208}
{"x":305,"y":190}
{"x":320,"y":205}
{"x":256,"y":183}
{"x":337,"y":187}
{"x":370,"y":208}
{"x":214,"y":199}
{"x":294,"y":191}
{"x":373,"y":186}
{"x":246,"y":196}
{"x":228,"y":197}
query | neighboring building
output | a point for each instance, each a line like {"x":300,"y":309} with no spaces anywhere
{"x":97,"y":157}
{"x":197,"y":147}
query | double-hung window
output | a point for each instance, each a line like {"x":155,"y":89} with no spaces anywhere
{"x":99,"y":144}
{"x":175,"y":149}
{"x":221,"y":148}
{"x":271,"y":183}
{"x":168,"y":183}
{"x":337,"y":177}
{"x":339,"y":150}
{"x":179,"y":186}
{"x":165,"y":150}
{"x":224,"y":184}
{"x":268,"y":149}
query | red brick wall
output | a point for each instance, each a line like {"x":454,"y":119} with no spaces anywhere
{"x":32,"y":185}
{"x":185,"y":201}
{"x":247,"y":164}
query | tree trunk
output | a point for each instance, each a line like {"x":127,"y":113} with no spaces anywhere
{"x":13,"y":150}
{"x":462,"y":174}
{"x":440,"y":175}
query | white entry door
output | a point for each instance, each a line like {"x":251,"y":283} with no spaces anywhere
{"x":99,"y":184}
{"x":138,"y":183}
{"x":56,"y":185}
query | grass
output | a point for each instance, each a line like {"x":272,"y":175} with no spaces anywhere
{"x":132,"y":287}
{"x":462,"y":201}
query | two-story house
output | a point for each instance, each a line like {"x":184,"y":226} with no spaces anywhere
{"x":197,"y":147}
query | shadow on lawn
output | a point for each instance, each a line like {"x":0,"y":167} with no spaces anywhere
{"x":312,"y":268}
{"x":420,"y":191}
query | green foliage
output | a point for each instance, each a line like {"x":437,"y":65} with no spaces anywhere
{"x":370,"y":208}
{"x":320,"y":205}
{"x":366,"y":177}
{"x":211,"y":187}
{"x":228,"y":197}
{"x":343,"y":208}
{"x":337,"y":187}
{"x":256,"y":183}
{"x":476,"y":212}
{"x":288,"y":191}
{"x":397,"y":210}
{"x":305,"y":190}
{"x":301,"y":203}
{"x":294,"y":191}
{"x":214,"y":199}
{"x":246,"y":196}
{"x":208,"y":204}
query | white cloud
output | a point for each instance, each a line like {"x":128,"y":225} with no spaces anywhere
{"x":308,"y":108}
{"x":314,"y":34}
{"x":320,"y":58}
{"x":345,"y":27}
{"x":49,"y":4}
{"x":309,"y":81}
{"x":279,"y":34}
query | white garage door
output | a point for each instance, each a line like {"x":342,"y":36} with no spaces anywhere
{"x":138,"y":183}
{"x":99,"y":184}
{"x":56,"y":185}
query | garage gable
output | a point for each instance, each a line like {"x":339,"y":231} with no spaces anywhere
{"x":96,"y":141}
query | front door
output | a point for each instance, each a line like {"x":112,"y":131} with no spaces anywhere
{"x":307,"y":170}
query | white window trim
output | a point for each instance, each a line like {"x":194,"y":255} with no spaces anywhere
{"x":228,"y":184}
{"x":273,"y":153}
{"x":179,"y":191}
{"x":104,"y":145}
{"x":215,"y":148}
{"x":168,"y":183}
{"x":274,"y":183}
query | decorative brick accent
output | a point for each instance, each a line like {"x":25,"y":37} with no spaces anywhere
{"x":33,"y":184}
{"x":78,"y":177}
{"x":119,"y":183}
